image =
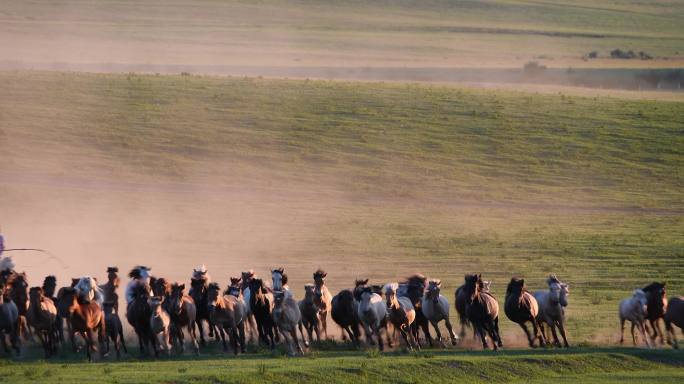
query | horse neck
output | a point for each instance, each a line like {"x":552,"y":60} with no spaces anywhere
{"x":563,"y":299}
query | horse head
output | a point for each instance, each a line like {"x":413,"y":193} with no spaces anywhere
{"x":472,"y":286}
{"x":213,"y":291}
{"x":160,"y":286}
{"x":516,"y":286}
{"x":279,"y":279}
{"x":309,"y":292}
{"x":319,"y":277}
{"x":36,"y":295}
{"x":177,"y":291}
{"x":390,"y":291}
{"x":50,"y":285}
{"x":235,"y":288}
{"x":433,"y":290}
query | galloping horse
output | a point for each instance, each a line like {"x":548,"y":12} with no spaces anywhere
{"x":436,"y":308}
{"x":261,"y":302}
{"x":552,"y":305}
{"x":655,"y":308}
{"x":86,"y":319}
{"x":138,"y":314}
{"x":226,"y":311}
{"x":520,"y":307}
{"x":344,"y":311}
{"x":401,"y":314}
{"x":183,"y":314}
{"x":310,"y":312}
{"x":414,"y":289}
{"x":198,"y":292}
{"x":482,"y":311}
{"x":322,"y":299}
{"x":41,"y":316}
{"x":9,"y":316}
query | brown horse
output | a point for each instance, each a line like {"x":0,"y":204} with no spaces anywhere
{"x":114,"y":330}
{"x":322,"y":299}
{"x":183,"y":313}
{"x":87,"y":319}
{"x":482,"y":311}
{"x":655,"y":309}
{"x":49,"y":290}
{"x":63,"y":303}
{"x":520,"y":307}
{"x":674,"y":315}
{"x":227,"y":312}
{"x":41,"y":316}
{"x":138,"y":314}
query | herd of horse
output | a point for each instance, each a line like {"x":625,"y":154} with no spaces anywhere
{"x":250,"y":309}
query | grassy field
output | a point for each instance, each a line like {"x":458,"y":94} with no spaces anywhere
{"x":435,"y":33}
{"x":374,"y":180}
{"x":586,"y":365}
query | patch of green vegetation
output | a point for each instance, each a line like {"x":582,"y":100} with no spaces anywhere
{"x":595,"y":365}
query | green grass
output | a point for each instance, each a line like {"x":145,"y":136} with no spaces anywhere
{"x":590,"y":365}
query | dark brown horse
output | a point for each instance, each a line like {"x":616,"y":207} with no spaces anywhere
{"x":674,"y":315}
{"x":520,"y":307}
{"x":655,"y":309}
{"x":344,"y":312}
{"x":87,"y":319}
{"x":114,"y":330}
{"x":482,"y":311}
{"x":183,"y":314}
{"x":261,"y":302}
{"x":41,"y":316}
{"x":138,"y":314}
{"x":198,"y":292}
{"x":50,"y":290}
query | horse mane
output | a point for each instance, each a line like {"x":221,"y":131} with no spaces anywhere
{"x":390,"y":288}
{"x":552,"y":279}
{"x":417,"y":279}
{"x":136,"y":273}
{"x":653,"y":287}
{"x":320,"y":273}
{"x":360,"y":282}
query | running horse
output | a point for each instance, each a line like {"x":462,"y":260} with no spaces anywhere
{"x":198,"y":292}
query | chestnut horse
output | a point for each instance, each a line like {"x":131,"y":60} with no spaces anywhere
{"x":86,"y":319}
{"x":227,"y":312}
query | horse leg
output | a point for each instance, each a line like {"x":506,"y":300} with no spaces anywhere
{"x":561,"y":328}
{"x":660,"y":331}
{"x":241,"y":331}
{"x":122,"y":339}
{"x":200,"y":327}
{"x":438,"y":334}
{"x":642,"y":330}
{"x":324,"y":324}
{"x":622,"y":330}
{"x":293,"y":333}
{"x":556,"y":342}
{"x":450,"y":329}
{"x":540,"y":332}
{"x":317,"y":330}
{"x":381,"y":346}
{"x":530,"y":339}
{"x":193,"y":337}
{"x":480,"y":332}
{"x":404,"y":335}
{"x":633,"y":335}
{"x":301,"y":330}
{"x":369,"y":334}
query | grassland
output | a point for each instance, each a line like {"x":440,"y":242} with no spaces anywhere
{"x":375,"y":180}
{"x":586,"y":365}
{"x":435,"y":33}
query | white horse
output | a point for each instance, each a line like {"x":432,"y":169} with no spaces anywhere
{"x":552,"y":305}
{"x":634,"y":310}
{"x":436,"y":308}
{"x":88,"y":290}
{"x":373,"y":314}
